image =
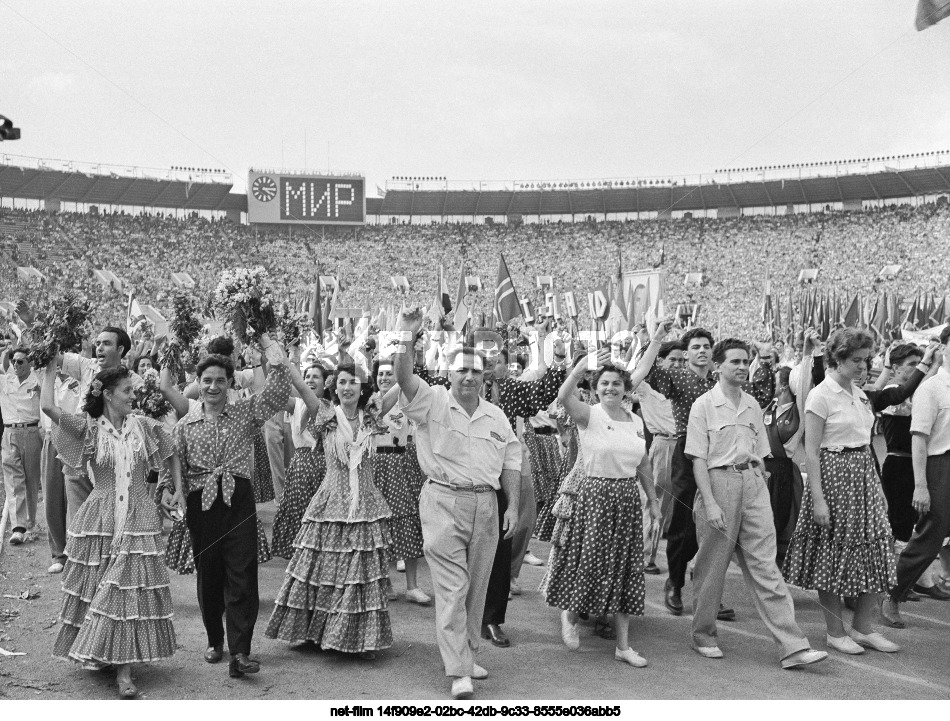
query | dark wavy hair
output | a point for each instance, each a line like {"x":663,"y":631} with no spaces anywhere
{"x":624,"y":376}
{"x":324,"y":372}
{"x":902,"y":352}
{"x":844,"y":343}
{"x":722,"y":347}
{"x":377,"y":364}
{"x":221,"y":345}
{"x":696,"y":333}
{"x":216,"y":360}
{"x":668,"y":347}
{"x":95,"y":404}
{"x":366,"y":387}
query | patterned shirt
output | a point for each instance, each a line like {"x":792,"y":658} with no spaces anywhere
{"x":218,"y":450}
{"x":525,"y":398}
{"x":683,"y":387}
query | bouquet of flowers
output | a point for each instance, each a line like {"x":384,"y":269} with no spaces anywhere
{"x":149,"y":401}
{"x":244,"y":300}
{"x":65,"y":323}
{"x":185,"y":329}
{"x":143,"y":330}
{"x":293,"y":326}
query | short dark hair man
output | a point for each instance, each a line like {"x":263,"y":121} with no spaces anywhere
{"x":726,"y":442}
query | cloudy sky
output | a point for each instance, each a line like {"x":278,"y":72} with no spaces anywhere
{"x":477,"y":90}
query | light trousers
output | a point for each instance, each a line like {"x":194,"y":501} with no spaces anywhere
{"x":750,"y":534}
{"x":460,"y":532}
{"x":20,"y":452}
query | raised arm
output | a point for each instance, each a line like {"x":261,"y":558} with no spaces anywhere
{"x":897,"y":394}
{"x":172,"y":394}
{"x":641,"y":369}
{"x":410,"y":322}
{"x":577,"y":409}
{"x":48,"y":392}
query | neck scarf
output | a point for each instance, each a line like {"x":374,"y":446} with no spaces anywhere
{"x":350,"y":449}
{"x":118,"y":448}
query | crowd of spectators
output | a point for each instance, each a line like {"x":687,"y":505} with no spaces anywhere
{"x":735,"y":256}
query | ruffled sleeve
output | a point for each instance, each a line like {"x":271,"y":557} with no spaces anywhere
{"x":159,"y":445}
{"x":325,"y":415}
{"x":74,"y":438}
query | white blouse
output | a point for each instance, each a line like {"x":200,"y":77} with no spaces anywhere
{"x":848,"y":416}
{"x":611,"y":449}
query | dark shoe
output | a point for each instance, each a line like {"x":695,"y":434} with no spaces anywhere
{"x":851,"y":603}
{"x":932,"y":592}
{"x":213,"y":654}
{"x":672,"y":598}
{"x":493,"y":633}
{"x":241,"y":664}
{"x":604,"y":629}
{"x":890,"y":612}
{"x":651,"y":569}
{"x":726,"y":614}
{"x":912,"y":597}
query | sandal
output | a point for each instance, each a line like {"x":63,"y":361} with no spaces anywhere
{"x":127,"y":690}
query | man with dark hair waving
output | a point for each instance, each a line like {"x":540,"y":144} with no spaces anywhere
{"x":726,"y":441}
{"x":466,"y":448}
{"x":214,"y":441}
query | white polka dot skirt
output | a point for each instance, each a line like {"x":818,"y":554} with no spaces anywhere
{"x":854,"y":555}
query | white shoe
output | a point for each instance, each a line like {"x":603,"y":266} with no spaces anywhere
{"x":401,"y":566}
{"x":569,"y":632}
{"x":417,"y":595}
{"x":845,"y":644}
{"x":515,"y":589}
{"x":462,"y":688}
{"x":478,"y":673}
{"x":709,"y":651}
{"x":532,"y":560}
{"x":630,"y":656}
{"x":56,"y":567}
{"x":17,"y":538}
{"x":875,"y":641}
{"x":803,"y":658}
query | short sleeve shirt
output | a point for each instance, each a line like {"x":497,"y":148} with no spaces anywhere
{"x":459,"y":449}
{"x":723,"y":434}
{"x":848,"y":416}
{"x":931,"y":412}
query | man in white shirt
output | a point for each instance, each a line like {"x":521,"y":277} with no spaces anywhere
{"x":21,"y":445}
{"x":930,"y":453}
{"x":657,"y":414}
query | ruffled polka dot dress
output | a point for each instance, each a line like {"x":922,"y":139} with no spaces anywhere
{"x":117,"y":606}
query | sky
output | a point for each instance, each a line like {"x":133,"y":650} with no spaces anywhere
{"x":515,"y":90}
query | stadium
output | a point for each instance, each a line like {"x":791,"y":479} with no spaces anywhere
{"x":403,"y":411}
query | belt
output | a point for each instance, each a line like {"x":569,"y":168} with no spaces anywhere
{"x":545,"y":431}
{"x":737,"y":467}
{"x":33,"y":424}
{"x":899,"y":454}
{"x":666,"y":435}
{"x":391,"y":449}
{"x":845,"y":449}
{"x":480,"y":488}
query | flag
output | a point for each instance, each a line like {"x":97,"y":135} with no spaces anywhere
{"x":133,"y":313}
{"x":911,"y":315}
{"x":461,"y":310}
{"x":939,"y":313}
{"x":316,"y":308}
{"x":893,"y":323}
{"x":931,"y":12}
{"x":506,"y":306}
{"x":768,"y":310}
{"x":852,"y":316}
{"x":380,"y":192}
{"x":878,"y":317}
{"x":441,"y":305}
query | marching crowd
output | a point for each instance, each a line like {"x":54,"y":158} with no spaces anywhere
{"x":734,"y":256}
{"x":412,"y":446}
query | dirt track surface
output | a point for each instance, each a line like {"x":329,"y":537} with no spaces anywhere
{"x":537,"y":666}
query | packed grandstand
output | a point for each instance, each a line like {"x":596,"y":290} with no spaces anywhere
{"x":734,"y":255}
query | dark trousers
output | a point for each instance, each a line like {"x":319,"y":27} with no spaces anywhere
{"x":928,"y":536}
{"x":224,"y":539}
{"x":499,"y":583}
{"x":897,"y":480}
{"x":681,"y":543}
{"x":785,"y":496}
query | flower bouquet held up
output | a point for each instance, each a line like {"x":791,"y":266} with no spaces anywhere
{"x":185,"y":328}
{"x":244,"y":300}
{"x":64,"y":325}
{"x":293,"y":326}
{"x":149,"y":401}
